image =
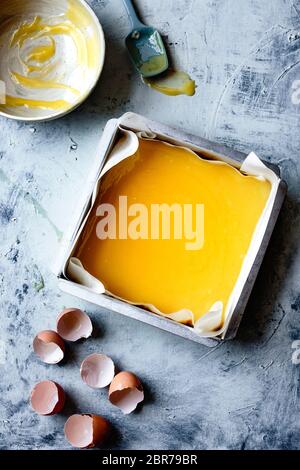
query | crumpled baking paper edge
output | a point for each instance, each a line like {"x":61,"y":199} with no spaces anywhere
{"x":211,"y":324}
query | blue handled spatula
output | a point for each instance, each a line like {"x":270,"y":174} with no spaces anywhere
{"x":145,"y":46}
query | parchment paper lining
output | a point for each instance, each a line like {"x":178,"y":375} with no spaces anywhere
{"x":215,"y":321}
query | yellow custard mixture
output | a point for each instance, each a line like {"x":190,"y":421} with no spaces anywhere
{"x":163,"y":272}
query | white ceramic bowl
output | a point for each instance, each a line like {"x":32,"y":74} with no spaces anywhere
{"x":51,"y":57}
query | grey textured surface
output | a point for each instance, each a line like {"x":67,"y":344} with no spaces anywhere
{"x":245,"y":56}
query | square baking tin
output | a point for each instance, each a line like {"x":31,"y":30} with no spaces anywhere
{"x":208,"y":150}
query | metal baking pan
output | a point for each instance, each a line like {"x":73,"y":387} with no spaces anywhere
{"x":208,"y":149}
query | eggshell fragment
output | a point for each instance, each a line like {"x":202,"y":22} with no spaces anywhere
{"x":97,"y":370}
{"x":85,"y":431}
{"x":47,"y":398}
{"x":126,"y":391}
{"x":74,"y":324}
{"x":49,"y":346}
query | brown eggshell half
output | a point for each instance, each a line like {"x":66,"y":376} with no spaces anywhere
{"x":73,"y":324}
{"x":47,"y":398}
{"x":86,"y":430}
{"x":97,"y":370}
{"x":126,"y":391}
{"x":49,"y":346}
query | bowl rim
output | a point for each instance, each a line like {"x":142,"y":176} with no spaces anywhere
{"x":60,"y":114}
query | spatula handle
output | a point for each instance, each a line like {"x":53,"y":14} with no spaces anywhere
{"x":135,"y":21}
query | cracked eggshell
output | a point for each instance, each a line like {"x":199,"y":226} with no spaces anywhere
{"x":47,"y":398}
{"x":86,"y":430}
{"x":97,"y":370}
{"x":126,"y":391}
{"x":49,"y":346}
{"x":73,"y":324}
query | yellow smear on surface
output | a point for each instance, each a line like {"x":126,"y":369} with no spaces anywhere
{"x":163,"y":272}
{"x":55,"y":105}
{"x":172,"y":83}
{"x":37,"y":83}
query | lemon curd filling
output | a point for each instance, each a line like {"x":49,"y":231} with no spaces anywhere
{"x":50,"y":60}
{"x":163,"y":272}
{"x":172,"y":83}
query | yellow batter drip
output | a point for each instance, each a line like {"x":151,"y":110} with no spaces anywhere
{"x":172,"y":83}
{"x":37,"y":63}
{"x":163,"y":272}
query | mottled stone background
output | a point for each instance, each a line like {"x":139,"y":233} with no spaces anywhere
{"x":244,"y":394}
